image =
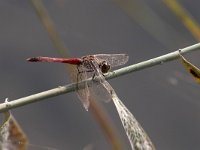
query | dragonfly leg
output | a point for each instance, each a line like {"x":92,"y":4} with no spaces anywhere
{"x":93,"y":76}
{"x":77,"y":76}
{"x":112,"y":92}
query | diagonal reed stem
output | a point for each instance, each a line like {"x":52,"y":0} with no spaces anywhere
{"x":72,"y":87}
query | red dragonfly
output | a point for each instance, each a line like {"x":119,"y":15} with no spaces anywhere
{"x":91,"y":66}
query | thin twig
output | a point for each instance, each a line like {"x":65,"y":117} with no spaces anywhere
{"x":72,"y":87}
{"x":152,"y":62}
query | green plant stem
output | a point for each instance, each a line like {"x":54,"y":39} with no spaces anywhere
{"x":152,"y":62}
{"x":72,"y":87}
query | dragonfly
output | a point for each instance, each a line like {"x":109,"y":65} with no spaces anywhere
{"x":90,"y":66}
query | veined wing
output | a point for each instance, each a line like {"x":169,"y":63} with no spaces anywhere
{"x":100,"y":91}
{"x":100,"y":88}
{"x":113,"y":59}
{"x":82,"y":89}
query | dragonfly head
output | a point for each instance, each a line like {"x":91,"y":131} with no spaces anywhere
{"x":104,"y":66}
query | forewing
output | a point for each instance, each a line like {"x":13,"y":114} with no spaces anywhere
{"x":113,"y":59}
{"x":100,"y":88}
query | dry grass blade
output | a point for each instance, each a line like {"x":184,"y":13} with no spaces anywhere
{"x":185,"y":17}
{"x":150,"y":21}
{"x":138,"y":138}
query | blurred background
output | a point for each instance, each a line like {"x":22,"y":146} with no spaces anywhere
{"x":164,"y":99}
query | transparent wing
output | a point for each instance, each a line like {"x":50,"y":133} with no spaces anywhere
{"x":82,"y":89}
{"x":113,"y":59}
{"x":100,"y":88}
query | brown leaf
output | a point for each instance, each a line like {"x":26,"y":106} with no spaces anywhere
{"x":11,"y":135}
{"x":192,"y":69}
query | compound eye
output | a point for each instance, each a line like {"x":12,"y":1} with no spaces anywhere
{"x":105,"y":67}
